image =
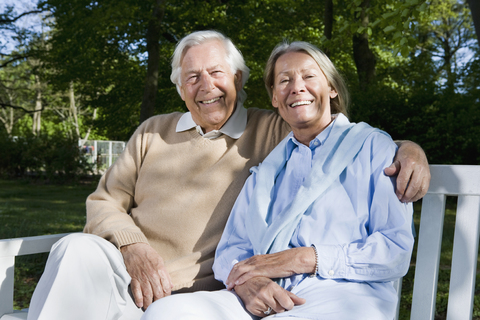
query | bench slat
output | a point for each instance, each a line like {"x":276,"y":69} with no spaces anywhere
{"x":28,"y":245}
{"x":428,"y":257}
{"x":455,"y":180}
{"x":464,"y":257}
{"x":7,"y":265}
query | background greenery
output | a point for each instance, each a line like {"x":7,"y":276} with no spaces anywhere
{"x":98,"y":68}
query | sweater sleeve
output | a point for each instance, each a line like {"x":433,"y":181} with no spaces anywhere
{"x":235,"y":245}
{"x":109,"y":207}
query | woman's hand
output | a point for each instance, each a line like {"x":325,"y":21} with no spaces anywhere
{"x":276,"y":265}
{"x":411,"y":166}
{"x":261,"y":293}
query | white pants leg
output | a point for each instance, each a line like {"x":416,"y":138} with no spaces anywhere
{"x":85,"y":278}
{"x":201,"y":305}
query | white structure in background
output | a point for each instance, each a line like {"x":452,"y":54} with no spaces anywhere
{"x":102,"y":153}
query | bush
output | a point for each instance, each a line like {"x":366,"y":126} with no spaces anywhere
{"x":55,"y":158}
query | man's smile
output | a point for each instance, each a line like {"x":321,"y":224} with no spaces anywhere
{"x":210,"y":101}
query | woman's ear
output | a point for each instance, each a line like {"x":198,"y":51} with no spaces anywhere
{"x":274,"y":99}
{"x":333,"y":93}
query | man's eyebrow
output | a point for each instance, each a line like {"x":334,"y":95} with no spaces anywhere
{"x":217,"y":66}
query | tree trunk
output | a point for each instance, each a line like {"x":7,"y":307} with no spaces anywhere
{"x":153,"y":48}
{"x":364,"y":58}
{"x":328,"y":23}
{"x":82,"y":141}
{"x":73,"y":109}
{"x":475,"y":9}
{"x":37,"y":115}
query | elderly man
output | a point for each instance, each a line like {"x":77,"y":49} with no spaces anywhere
{"x":158,"y":213}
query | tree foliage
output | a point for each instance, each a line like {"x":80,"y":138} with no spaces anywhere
{"x":402,"y":59}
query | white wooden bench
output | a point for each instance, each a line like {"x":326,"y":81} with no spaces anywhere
{"x":447,"y":180}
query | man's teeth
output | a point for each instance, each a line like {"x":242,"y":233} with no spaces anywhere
{"x":300,"y":103}
{"x":211,"y":101}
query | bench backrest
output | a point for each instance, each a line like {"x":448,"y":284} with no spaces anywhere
{"x":448,"y":180}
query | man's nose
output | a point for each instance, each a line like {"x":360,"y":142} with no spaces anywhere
{"x":206,"y":82}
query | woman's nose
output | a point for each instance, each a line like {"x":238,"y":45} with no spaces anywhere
{"x":298,"y":86}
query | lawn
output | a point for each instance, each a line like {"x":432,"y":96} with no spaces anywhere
{"x":31,"y":209}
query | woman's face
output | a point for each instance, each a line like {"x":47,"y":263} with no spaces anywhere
{"x":302,"y":93}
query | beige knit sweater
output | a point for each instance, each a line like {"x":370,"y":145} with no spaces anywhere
{"x":175,"y":191}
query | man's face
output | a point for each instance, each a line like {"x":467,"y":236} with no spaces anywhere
{"x":209,"y":88}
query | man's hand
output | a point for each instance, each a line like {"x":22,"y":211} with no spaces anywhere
{"x":411,"y":166}
{"x":260,"y":293}
{"x":275,"y":265}
{"x":150,"y":279}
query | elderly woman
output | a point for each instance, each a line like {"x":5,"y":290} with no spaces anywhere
{"x":317,"y":231}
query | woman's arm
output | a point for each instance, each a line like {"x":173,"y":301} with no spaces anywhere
{"x":384,"y":252}
{"x":258,"y":293}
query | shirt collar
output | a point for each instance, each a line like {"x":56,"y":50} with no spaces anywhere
{"x":234,"y":127}
{"x":315,"y":143}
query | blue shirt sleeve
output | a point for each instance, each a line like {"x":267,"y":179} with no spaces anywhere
{"x":383,"y":252}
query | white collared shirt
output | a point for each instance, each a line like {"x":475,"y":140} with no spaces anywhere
{"x":234,"y":127}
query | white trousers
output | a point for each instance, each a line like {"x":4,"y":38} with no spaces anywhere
{"x":202,"y":305}
{"x":85,"y":278}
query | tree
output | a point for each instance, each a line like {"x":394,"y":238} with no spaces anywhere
{"x":475,"y":9}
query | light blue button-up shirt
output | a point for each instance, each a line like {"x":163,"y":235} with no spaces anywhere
{"x":361,"y":230}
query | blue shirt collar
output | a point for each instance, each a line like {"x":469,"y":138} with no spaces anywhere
{"x":234,"y":127}
{"x":315,"y":143}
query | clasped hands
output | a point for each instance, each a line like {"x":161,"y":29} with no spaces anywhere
{"x":252,"y":279}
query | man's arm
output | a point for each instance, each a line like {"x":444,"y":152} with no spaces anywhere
{"x":411,"y":166}
{"x":108,"y":216}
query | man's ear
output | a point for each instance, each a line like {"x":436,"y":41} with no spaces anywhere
{"x":238,"y":80}
{"x":182,"y":92}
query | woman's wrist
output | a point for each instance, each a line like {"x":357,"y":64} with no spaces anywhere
{"x":315,"y":269}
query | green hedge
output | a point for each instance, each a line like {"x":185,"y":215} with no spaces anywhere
{"x":54,"y":158}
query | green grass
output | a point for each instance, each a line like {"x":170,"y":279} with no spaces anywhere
{"x":32,"y":209}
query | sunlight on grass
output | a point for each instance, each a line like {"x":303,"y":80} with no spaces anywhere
{"x":31,"y":210}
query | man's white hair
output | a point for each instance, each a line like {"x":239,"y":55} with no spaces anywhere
{"x":234,"y":57}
